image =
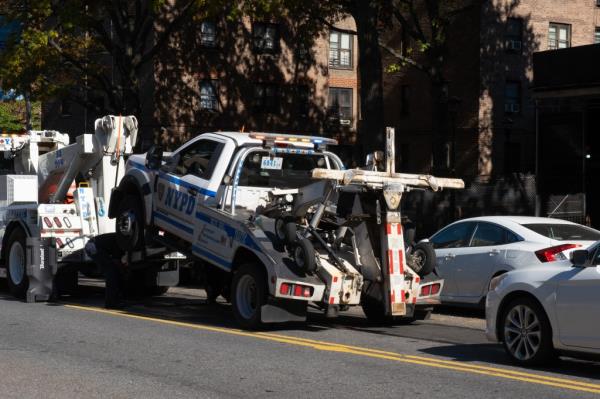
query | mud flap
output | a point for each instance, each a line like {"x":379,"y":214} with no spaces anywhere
{"x":280,"y":311}
{"x":41,"y":268}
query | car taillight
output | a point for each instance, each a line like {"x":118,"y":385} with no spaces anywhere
{"x":554,"y":253}
{"x":435,"y":289}
{"x":284,"y":289}
{"x":425,"y":290}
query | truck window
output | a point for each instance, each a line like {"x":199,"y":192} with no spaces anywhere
{"x":286,"y":170}
{"x":199,"y":159}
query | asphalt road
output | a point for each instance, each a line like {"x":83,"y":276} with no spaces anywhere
{"x":179,"y":346}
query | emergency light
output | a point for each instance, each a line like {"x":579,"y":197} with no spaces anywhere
{"x":292,"y":139}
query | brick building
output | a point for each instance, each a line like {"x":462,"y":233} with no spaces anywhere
{"x":243,"y":75}
{"x":489,"y":68}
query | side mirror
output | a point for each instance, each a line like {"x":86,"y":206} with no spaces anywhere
{"x":154,"y":157}
{"x":580,"y":257}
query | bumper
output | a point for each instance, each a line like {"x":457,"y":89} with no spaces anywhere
{"x":492,"y":303}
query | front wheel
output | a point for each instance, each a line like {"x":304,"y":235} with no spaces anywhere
{"x":249,"y":294}
{"x":130,"y":224}
{"x":16,"y":264}
{"x":526,"y":332}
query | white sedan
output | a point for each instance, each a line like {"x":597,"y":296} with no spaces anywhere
{"x":541,"y":311}
{"x":471,"y":252}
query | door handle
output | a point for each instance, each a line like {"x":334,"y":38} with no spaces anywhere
{"x":192,"y":192}
{"x":450,"y":256}
{"x":494,"y":252}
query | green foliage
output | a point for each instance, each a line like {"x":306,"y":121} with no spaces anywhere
{"x":12,"y":116}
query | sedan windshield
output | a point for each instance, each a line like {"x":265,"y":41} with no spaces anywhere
{"x":564,"y":232}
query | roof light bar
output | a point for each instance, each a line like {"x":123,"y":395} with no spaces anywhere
{"x":293,"y":138}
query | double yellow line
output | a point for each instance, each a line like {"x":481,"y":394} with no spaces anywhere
{"x":372,"y":353}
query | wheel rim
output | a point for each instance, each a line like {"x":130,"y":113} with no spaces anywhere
{"x":419,"y":259}
{"x":247,"y":297}
{"x":16,"y":263}
{"x":127,"y":224}
{"x":522,"y":332}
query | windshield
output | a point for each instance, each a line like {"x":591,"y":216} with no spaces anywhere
{"x":565,"y":232}
{"x":283,"y":171}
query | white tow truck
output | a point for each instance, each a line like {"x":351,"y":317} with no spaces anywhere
{"x":53,"y":199}
{"x":276,"y":223}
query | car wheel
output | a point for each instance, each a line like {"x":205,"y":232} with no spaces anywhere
{"x":249,"y":294}
{"x":422,"y":259}
{"x":16,"y":264}
{"x":130,"y":224}
{"x":526,"y":332}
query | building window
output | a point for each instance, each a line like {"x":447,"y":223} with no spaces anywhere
{"x":303,"y":100}
{"x":340,"y":104}
{"x":265,"y":37}
{"x":597,"y":34}
{"x":340,"y":50}
{"x":559,"y":36}
{"x":208,"y":34}
{"x":266,"y":98}
{"x":404,"y":100}
{"x":512,"y":97}
{"x":513,"y":35}
{"x":209,"y":99}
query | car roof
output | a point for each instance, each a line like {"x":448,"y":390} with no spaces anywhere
{"x":518,"y":220}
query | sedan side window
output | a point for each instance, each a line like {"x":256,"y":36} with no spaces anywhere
{"x":455,"y":236}
{"x":199,"y":159}
{"x":488,"y":234}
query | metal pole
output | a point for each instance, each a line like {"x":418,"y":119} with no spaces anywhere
{"x":390,"y":146}
{"x":538,"y":204}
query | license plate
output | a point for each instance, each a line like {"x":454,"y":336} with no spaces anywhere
{"x":271,"y":163}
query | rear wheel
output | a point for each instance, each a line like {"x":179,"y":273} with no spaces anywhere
{"x":130,"y":223}
{"x":249,"y":294}
{"x":526,"y":332}
{"x":16,"y":260}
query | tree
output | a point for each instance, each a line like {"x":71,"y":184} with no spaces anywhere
{"x":425,"y":24}
{"x":97,"y":53}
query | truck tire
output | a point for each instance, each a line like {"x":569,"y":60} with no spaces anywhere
{"x":422,"y":259}
{"x":16,"y":263}
{"x":130,"y":223}
{"x":304,"y":255}
{"x":248,"y":295}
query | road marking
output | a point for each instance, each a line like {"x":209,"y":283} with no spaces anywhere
{"x":369,"y":352}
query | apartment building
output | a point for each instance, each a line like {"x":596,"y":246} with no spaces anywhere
{"x":489,"y":71}
{"x":259,"y":75}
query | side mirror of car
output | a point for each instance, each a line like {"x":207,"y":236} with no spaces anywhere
{"x":580,"y":258}
{"x":154,"y":157}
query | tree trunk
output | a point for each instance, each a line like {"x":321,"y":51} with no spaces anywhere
{"x":371,"y":132}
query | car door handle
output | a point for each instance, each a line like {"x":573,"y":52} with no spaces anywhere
{"x":192,"y":192}
{"x":494,"y":252}
{"x":450,"y":256}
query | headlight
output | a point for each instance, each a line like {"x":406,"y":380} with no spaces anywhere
{"x":496,"y":281}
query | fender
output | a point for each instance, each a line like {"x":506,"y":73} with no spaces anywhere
{"x":134,"y":182}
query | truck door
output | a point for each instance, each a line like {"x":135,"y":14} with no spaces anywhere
{"x":186,"y":185}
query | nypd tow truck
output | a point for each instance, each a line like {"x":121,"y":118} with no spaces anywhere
{"x":276,"y":223}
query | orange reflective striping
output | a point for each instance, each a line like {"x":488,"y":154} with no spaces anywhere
{"x":388,"y":228}
{"x":391,"y":261}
